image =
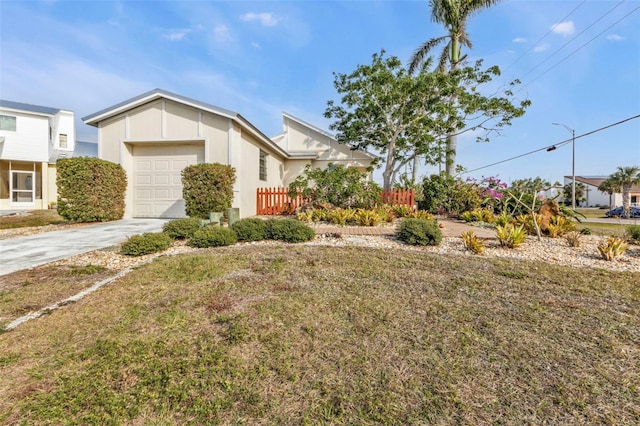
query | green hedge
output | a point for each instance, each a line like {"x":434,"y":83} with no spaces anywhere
{"x":90,"y":189}
{"x":213,"y":236}
{"x":207,"y":188}
{"x":184,"y":228}
{"x":289,"y":230}
{"x":250,"y":229}
{"x":150,"y":242}
{"x":421,"y":232}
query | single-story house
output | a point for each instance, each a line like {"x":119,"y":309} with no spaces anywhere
{"x":597,"y":198}
{"x":157,"y":134}
{"x":32,"y":139}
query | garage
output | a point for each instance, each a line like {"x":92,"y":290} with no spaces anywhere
{"x":157,"y":183}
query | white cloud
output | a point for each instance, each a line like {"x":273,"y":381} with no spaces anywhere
{"x":615,"y":37}
{"x":541,"y":48}
{"x":177,"y":35}
{"x":563,"y":28}
{"x":221,"y":33}
{"x":265,"y":18}
{"x":519,"y":40}
{"x":256,"y":45}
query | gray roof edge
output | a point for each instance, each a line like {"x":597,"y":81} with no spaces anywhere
{"x":38,"y":109}
{"x":158,"y":94}
{"x":309,"y":125}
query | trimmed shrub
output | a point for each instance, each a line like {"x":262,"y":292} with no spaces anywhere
{"x":150,"y":242}
{"x":289,"y":230}
{"x":213,"y":236}
{"x":633,"y":233}
{"x":90,"y":189}
{"x":207,"y":188}
{"x":420,"y":232}
{"x":250,"y":229}
{"x":180,"y":229}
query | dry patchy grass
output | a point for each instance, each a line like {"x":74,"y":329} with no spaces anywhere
{"x":31,"y":218}
{"x":294,"y":335}
{"x":31,"y":290}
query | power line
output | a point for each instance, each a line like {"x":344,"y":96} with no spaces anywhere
{"x":543,"y":37}
{"x":572,"y":39}
{"x":579,"y":48}
{"x":558,"y":144}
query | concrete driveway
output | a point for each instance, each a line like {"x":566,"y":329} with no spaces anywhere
{"x":34,"y":250}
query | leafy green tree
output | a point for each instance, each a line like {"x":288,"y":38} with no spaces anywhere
{"x":385,"y":108}
{"x":448,"y":194}
{"x":337,"y":185}
{"x":530,"y":185}
{"x":625,"y":178}
{"x":453,"y":15}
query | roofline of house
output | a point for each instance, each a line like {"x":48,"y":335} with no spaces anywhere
{"x":155,"y":94}
{"x":30,"y":108}
{"x":322,"y":132}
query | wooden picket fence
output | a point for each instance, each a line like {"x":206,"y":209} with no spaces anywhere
{"x":271,"y":201}
{"x":274,"y":201}
{"x":399,"y":197}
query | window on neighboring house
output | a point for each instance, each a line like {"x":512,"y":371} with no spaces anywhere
{"x":63,"y":140}
{"x":7,"y":122}
{"x":263,"y":165}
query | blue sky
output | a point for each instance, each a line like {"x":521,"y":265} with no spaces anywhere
{"x":262,"y":58}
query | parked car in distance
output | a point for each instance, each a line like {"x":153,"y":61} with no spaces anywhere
{"x":618,"y":212}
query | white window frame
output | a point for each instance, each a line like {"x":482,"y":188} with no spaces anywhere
{"x":15,"y":191}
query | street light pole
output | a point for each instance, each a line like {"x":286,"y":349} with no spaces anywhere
{"x":573,"y":163}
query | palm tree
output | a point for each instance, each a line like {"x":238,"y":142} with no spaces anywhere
{"x":626,"y":177}
{"x":610,"y":186}
{"x":580,"y":193}
{"x":453,"y":14}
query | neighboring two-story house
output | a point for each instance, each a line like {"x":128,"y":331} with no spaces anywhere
{"x":32,"y":139}
{"x":157,"y":134}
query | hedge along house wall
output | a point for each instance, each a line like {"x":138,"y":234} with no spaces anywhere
{"x":90,"y":189}
{"x":207,"y":188}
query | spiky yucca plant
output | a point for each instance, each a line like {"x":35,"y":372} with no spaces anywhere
{"x":511,"y":236}
{"x":472,"y":243}
{"x":613,"y":248}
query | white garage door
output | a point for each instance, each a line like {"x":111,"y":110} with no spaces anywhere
{"x":157,"y":183}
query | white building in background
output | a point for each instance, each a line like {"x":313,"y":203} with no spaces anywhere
{"x":32,"y":139}
{"x":596,"y":198}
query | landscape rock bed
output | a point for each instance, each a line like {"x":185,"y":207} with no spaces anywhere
{"x":549,"y":250}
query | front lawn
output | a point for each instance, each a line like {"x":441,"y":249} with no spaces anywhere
{"x":286,"y":334}
{"x":31,"y":218}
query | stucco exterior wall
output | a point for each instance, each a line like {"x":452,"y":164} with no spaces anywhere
{"x":293,"y":169}
{"x":111,"y":133}
{"x":216,"y":130}
{"x":145,"y":122}
{"x":180,"y":121}
{"x":248,"y":171}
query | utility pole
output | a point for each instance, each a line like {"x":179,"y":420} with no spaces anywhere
{"x":573,"y":163}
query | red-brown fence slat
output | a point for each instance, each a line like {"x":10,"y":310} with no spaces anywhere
{"x":274,"y":201}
